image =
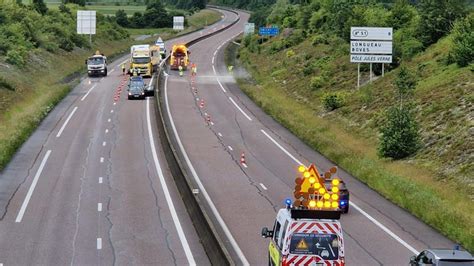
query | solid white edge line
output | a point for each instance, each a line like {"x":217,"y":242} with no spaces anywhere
{"x":32,"y":187}
{"x":372,"y":219}
{"x":226,"y":230}
{"x":99,"y":243}
{"x":384,"y":228}
{"x":169,"y":200}
{"x":65,"y":123}
{"x":240,"y":109}
{"x":87,"y":93}
{"x":281,"y":148}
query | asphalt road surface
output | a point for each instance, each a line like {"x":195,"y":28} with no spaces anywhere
{"x":91,"y":186}
{"x":216,"y":123}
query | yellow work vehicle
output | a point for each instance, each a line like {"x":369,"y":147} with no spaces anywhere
{"x":140,"y":60}
{"x":179,"y":57}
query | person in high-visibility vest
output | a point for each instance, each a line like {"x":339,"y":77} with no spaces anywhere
{"x":180,"y":68}
{"x":230,"y":68}
{"x":123,"y":68}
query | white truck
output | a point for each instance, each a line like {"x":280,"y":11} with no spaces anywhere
{"x":97,"y":65}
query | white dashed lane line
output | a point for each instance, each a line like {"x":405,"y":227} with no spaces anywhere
{"x":100,"y":180}
{"x":230,"y":148}
{"x":101,"y":159}
{"x":89,"y":91}
{"x":99,"y":207}
{"x":104,"y":143}
{"x":99,"y":243}
{"x":65,"y":123}
{"x":263,"y":186}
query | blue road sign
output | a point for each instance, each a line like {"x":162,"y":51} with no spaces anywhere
{"x":273,"y":31}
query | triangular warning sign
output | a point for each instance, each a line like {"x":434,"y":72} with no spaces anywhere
{"x":302,"y":244}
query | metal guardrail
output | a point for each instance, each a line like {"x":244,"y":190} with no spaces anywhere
{"x":216,"y":246}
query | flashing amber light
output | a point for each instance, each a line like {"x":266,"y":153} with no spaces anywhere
{"x":334,"y":197}
{"x":319,"y":204}
{"x":317,"y":186}
{"x":306,"y":174}
{"x":322,"y":190}
{"x":335,"y":189}
{"x":312,"y":203}
{"x":301,"y":168}
{"x":335,"y":182}
{"x":327,"y":204}
{"x":335,"y":204}
{"x":312,"y":180}
{"x":326,"y":196}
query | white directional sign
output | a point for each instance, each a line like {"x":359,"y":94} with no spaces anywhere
{"x":178,"y":23}
{"x":371,"y":33}
{"x":249,"y":28}
{"x":86,"y":22}
{"x":364,"y":58}
{"x":371,"y":47}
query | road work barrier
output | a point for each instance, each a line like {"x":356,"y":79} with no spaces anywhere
{"x":212,"y":237}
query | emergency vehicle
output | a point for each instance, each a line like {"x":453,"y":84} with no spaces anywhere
{"x":308,"y":231}
{"x":179,"y":57}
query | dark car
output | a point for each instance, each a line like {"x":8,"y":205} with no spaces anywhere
{"x":148,"y":89}
{"x":343,"y":195}
{"x":136,"y":89}
{"x":443,"y":257}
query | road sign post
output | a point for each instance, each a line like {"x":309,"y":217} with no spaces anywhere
{"x":86,"y":23}
{"x":371,"y":45}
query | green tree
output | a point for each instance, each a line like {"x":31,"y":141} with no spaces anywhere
{"x":121,"y":18}
{"x":437,"y":17}
{"x":137,"y":20}
{"x":401,"y":14}
{"x":77,"y":2}
{"x":399,"y":134}
{"x":463,"y":39}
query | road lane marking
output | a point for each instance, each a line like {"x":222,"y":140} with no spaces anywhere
{"x":110,"y":72}
{"x":109,"y":120}
{"x":169,"y":200}
{"x":244,"y":165}
{"x":230,"y":148}
{"x":111,"y":111}
{"x":388,"y":231}
{"x":100,"y":180}
{"x":201,"y":186}
{"x":32,"y":187}
{"x":65,"y":123}
{"x":104,"y":143}
{"x":220,"y":134}
{"x":101,"y":159}
{"x":281,"y":148}
{"x":360,"y":210}
{"x":89,"y":91}
{"x":99,"y":243}
{"x":240,"y":109}
{"x":263,"y":186}
{"x":99,"y":207}
{"x":106,"y":131}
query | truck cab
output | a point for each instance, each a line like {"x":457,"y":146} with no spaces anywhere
{"x":97,"y":65}
{"x":179,"y":57}
{"x":141,"y":60}
{"x":305,"y":237}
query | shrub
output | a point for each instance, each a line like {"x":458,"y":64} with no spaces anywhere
{"x":463,"y":39}
{"x":17,"y":56}
{"x":399,"y":135}
{"x":319,"y":39}
{"x":316,"y":83}
{"x":333,"y":100}
{"x":290,"y":53}
{"x":308,"y":70}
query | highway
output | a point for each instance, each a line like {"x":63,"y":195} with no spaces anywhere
{"x":215,"y":123}
{"x":92,"y":187}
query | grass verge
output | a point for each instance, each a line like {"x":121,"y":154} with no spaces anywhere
{"x":28,"y":95}
{"x":410,"y":186}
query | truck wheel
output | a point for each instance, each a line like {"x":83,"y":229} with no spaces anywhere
{"x":105,"y":73}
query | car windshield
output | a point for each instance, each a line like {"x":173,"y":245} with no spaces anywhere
{"x":95,"y":61}
{"x":141,"y":60}
{"x":455,"y":263}
{"x":324,"y":245}
{"x":135,"y":87}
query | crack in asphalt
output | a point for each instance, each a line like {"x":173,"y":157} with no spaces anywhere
{"x":78,"y":208}
{"x":108,"y":176}
{"x":155,"y":194}
{"x":362,"y":247}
